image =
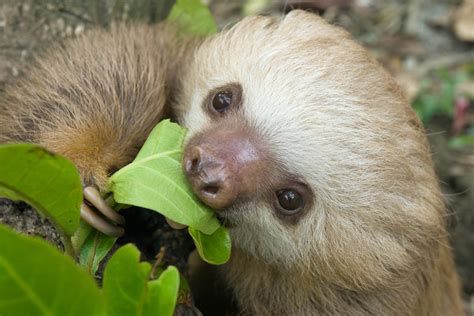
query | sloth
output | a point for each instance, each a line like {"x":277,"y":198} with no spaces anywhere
{"x":312,"y":157}
{"x":305,"y":147}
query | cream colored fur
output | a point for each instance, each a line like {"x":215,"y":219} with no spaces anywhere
{"x":374,"y":242}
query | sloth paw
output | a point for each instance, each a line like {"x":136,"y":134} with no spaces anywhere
{"x":96,"y":212}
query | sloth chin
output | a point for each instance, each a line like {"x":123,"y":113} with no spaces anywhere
{"x":226,"y":221}
{"x":230,"y":217}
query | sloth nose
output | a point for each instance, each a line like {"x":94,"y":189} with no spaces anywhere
{"x":210,"y":176}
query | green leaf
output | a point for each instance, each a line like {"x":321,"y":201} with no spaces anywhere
{"x":36,"y":279}
{"x":215,"y":248}
{"x":155,"y":180}
{"x":193,"y":18}
{"x":125,"y":282}
{"x":163,"y":293}
{"x":48,"y":182}
{"x":94,"y":248}
{"x":127,"y":289}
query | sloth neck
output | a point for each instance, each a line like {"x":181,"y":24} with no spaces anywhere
{"x":262,"y":289}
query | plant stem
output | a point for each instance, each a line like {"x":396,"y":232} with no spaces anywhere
{"x":80,"y":236}
{"x":68,"y":248}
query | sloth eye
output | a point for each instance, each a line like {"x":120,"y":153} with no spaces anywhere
{"x":222,"y":101}
{"x":290,"y":201}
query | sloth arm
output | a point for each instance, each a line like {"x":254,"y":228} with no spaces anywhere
{"x":94,"y":99}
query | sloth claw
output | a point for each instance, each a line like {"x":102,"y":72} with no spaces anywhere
{"x":174,"y":225}
{"x":90,"y":216}
{"x":92,"y":195}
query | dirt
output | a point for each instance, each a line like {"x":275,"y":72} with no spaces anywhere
{"x":24,"y":219}
{"x":410,"y":37}
{"x":150,"y":232}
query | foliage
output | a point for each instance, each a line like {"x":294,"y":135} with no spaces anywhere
{"x":193,"y":18}
{"x":46,"y":282}
{"x":214,"y":248}
{"x":437,"y":95}
{"x":438,"y":92}
{"x":93,"y":249}
{"x":36,"y":279}
{"x":155,"y":180}
{"x":127,"y":288}
{"x":48,"y":182}
{"x":39,"y":277}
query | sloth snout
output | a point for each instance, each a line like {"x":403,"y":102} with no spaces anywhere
{"x":225,"y":165}
{"x":210,"y":177}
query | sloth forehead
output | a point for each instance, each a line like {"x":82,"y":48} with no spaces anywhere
{"x":288,"y":69}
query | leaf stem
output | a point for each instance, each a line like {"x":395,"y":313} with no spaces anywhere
{"x":68,"y":247}
{"x":80,"y":236}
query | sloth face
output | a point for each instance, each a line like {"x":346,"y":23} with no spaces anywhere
{"x":306,"y":148}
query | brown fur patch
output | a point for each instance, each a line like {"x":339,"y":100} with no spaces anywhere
{"x":94,"y":99}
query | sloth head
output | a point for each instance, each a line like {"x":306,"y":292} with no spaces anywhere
{"x":308,"y":151}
